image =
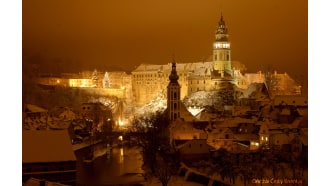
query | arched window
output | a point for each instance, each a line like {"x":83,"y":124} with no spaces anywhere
{"x":174,"y":105}
{"x":174,"y":95}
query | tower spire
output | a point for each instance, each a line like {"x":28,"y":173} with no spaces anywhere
{"x":222,"y":28}
{"x":174,"y":76}
{"x":173,"y":94}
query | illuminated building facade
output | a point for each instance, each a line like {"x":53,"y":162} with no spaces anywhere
{"x":149,"y":81}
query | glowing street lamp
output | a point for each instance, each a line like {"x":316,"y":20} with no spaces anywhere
{"x":120,"y":123}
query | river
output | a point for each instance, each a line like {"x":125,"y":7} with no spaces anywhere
{"x":121,"y":167}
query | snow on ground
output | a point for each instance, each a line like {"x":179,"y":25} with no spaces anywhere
{"x":153,"y":106}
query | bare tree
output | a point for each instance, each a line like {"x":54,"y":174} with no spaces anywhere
{"x":239,"y":66}
{"x":152,"y":136}
{"x":271,"y":80}
{"x":164,"y":170}
{"x":301,"y":80}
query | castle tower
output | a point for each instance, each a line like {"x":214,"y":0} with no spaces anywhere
{"x":221,"y":50}
{"x":173,"y":95}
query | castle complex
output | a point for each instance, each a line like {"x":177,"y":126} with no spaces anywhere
{"x":149,"y":81}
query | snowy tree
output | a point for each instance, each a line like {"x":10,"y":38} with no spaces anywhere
{"x":106,"y":80}
{"x":95,"y":78}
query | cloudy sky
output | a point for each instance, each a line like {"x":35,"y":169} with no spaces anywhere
{"x":121,"y":34}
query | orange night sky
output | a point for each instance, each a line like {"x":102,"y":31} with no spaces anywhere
{"x":110,"y":34}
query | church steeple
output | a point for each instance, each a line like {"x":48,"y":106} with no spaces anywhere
{"x":173,"y":76}
{"x":173,"y":95}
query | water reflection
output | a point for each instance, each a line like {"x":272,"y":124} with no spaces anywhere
{"x":121,"y":165}
{"x":121,"y":158}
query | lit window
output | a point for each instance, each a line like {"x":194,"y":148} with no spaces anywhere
{"x":262,"y":138}
{"x":266,"y":138}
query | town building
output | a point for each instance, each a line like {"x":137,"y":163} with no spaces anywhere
{"x":48,"y":155}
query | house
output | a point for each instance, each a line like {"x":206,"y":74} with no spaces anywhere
{"x":48,"y":155}
{"x":183,"y":130}
{"x":96,"y":116}
{"x":33,"y":111}
{"x":263,"y":134}
{"x":222,"y":138}
{"x":255,"y":96}
{"x":63,"y":113}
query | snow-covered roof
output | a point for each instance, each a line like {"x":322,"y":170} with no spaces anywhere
{"x":233,"y":122}
{"x":185,"y":114}
{"x":38,"y":182}
{"x":200,"y":72}
{"x":34,"y":108}
{"x":256,"y":91}
{"x":46,"y":146}
{"x":63,"y":113}
{"x":168,"y":67}
{"x":117,"y":74}
{"x":147,"y":67}
{"x":192,"y":142}
{"x":254,"y":77}
{"x":68,"y":115}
